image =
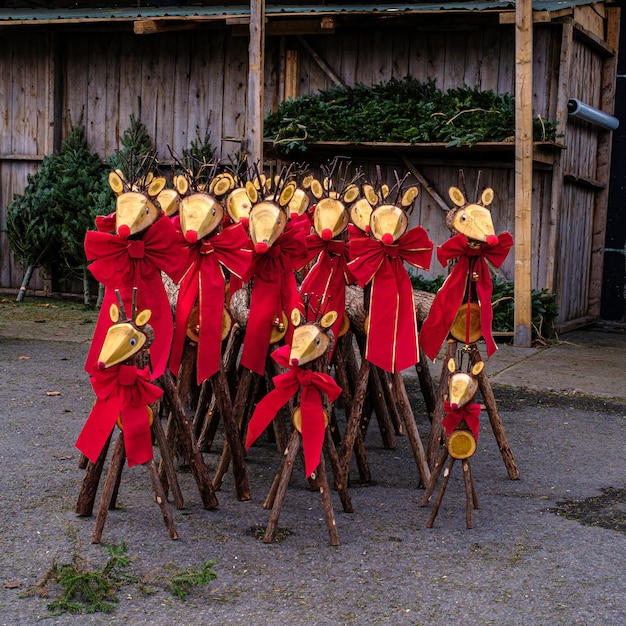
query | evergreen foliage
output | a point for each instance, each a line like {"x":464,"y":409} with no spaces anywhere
{"x":403,"y":111}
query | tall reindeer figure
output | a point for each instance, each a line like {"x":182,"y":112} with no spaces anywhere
{"x":306,"y":361}
{"x":129,"y":249}
{"x":461,"y":310}
{"x":461,"y":423}
{"x":378,"y":258}
{"x":121,"y":382}
{"x":202,"y":321}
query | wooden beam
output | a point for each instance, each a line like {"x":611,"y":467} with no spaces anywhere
{"x":523,"y":171}
{"x":603,"y":168}
{"x":334,"y":77}
{"x":562,"y":97}
{"x":254,"y":105}
{"x":292,"y":74}
{"x":424,"y":183}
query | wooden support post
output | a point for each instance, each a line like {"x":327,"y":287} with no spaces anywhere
{"x":254,"y":106}
{"x":523,"y":171}
{"x":91,"y":480}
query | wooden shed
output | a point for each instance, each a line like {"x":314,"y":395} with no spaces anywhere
{"x":192,"y":68}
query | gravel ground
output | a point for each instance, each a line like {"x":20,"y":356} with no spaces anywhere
{"x":521,"y":563}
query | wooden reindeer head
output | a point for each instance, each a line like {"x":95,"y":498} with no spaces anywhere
{"x":201,"y":189}
{"x":311,"y":340}
{"x":126,"y":337}
{"x":472,"y":219}
{"x":335,"y":195}
{"x":268,"y":216}
{"x":136,"y":206}
{"x":388,"y":220}
{"x":462,"y":386}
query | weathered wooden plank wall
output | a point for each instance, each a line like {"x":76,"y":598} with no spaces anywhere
{"x":191,"y":82}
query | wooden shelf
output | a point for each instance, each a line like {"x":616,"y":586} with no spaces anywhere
{"x":496,"y":153}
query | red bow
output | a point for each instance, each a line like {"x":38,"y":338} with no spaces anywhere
{"x":470,"y":413}
{"x":127,"y":263}
{"x":327,"y":279}
{"x":449,"y":298}
{"x":204,"y":283}
{"x":392,"y":336}
{"x":121,"y":390}
{"x":286,"y":385}
{"x":274,"y":290}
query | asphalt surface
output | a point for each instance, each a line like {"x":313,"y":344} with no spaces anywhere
{"x":548,"y":548}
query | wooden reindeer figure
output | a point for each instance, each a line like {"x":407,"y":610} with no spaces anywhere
{"x":279,"y":250}
{"x":461,"y":310}
{"x":121,"y":381}
{"x":461,"y":423}
{"x":129,"y":249}
{"x":378,"y":262}
{"x":202,"y":321}
{"x":306,"y":361}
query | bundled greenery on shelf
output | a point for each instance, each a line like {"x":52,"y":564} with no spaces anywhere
{"x":544,"y":307}
{"x":403,"y":111}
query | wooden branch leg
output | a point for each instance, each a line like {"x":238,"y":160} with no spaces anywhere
{"x":347,"y":400}
{"x":238,"y":412}
{"x":391,"y":400}
{"x":341,"y":482}
{"x":327,"y":503}
{"x":284,"y":477}
{"x":168,"y":464}
{"x":475,"y":500}
{"x":469,"y":498}
{"x":411,"y":429}
{"x":289,"y":456}
{"x":427,"y":386}
{"x":196,"y":462}
{"x":284,"y":413}
{"x":436,"y":428}
{"x":494,"y":417}
{"x":434,"y":476}
{"x":377,"y":394}
{"x":159,"y":494}
{"x":115,"y":468}
{"x":232,"y":434}
{"x":205,"y":399}
{"x":354,"y":417}
{"x":442,"y":490}
{"x":91,"y":480}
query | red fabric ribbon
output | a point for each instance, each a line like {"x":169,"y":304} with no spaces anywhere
{"x":327,"y":279}
{"x":204,"y":283}
{"x":127,"y":263}
{"x":121,"y":390}
{"x":286,"y":385}
{"x":392,"y":341}
{"x":450,"y":297}
{"x":274,"y":290}
{"x":453,"y":417}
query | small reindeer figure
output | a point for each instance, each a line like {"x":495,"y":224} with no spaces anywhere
{"x":461,"y":310}
{"x":461,"y":423}
{"x":306,"y":360}
{"x":123,"y":396}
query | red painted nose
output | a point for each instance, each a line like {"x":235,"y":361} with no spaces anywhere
{"x":124,"y":231}
{"x":492,"y":240}
{"x":101,"y":365}
{"x":191,"y":236}
{"x":295,"y":362}
{"x":454,"y":406}
{"x":327,"y":234}
{"x":260,"y":248}
{"x":387,"y":239}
